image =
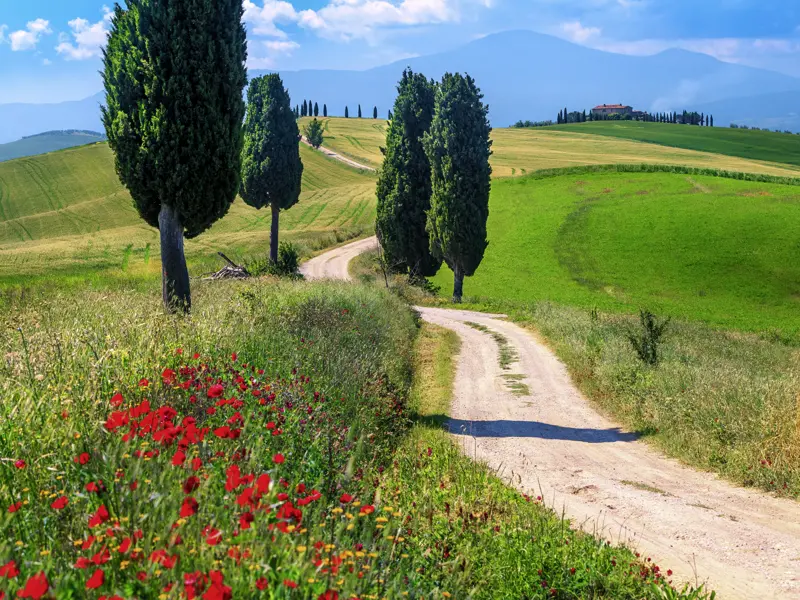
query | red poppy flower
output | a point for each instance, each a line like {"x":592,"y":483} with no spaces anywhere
{"x":125,"y":545}
{"x":262,"y":583}
{"x":262,"y":484}
{"x":95,"y":487}
{"x":35,"y":587}
{"x":191,"y":484}
{"x":178,"y":458}
{"x":213,"y":536}
{"x":116,"y":400}
{"x":367,"y":509}
{"x":346,"y":499}
{"x":9,"y":570}
{"x":82,"y":458}
{"x":15,"y":507}
{"x":100,"y":517}
{"x":329,"y":595}
{"x":189,"y":507}
{"x":143,"y":382}
{"x":195,"y":356}
{"x":59,"y":503}
{"x":234,"y":356}
{"x":245,"y":520}
{"x":278,"y":459}
{"x":168,"y":376}
{"x":215,"y":391}
{"x":96,"y":580}
{"x":20,"y":464}
{"x":196,"y":464}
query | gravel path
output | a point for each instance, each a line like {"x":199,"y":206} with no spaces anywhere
{"x":336,"y":156}
{"x":531,"y":425}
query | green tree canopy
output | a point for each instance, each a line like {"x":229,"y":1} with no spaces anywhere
{"x":404,"y":180}
{"x":459,"y":148}
{"x":271,"y":169}
{"x":313,"y":133}
{"x":174,"y":74}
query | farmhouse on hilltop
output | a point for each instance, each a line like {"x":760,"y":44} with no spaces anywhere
{"x":612,"y":109}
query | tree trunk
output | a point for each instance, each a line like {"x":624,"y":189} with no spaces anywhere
{"x":273,"y":235}
{"x":458,"y":284}
{"x":174,"y":274}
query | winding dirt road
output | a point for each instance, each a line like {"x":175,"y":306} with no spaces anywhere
{"x":336,"y":156}
{"x":531,"y":425}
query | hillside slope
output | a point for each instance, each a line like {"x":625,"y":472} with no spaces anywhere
{"x":756,"y":145}
{"x":67,"y":211}
{"x":49,"y":141}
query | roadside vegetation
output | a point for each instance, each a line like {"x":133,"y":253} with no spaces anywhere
{"x":264,"y":447}
{"x":766,"y":146}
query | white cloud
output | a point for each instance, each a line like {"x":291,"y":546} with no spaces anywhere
{"x":3,"y":29}
{"x":579,"y":34}
{"x":89,"y":38}
{"x":275,"y":48}
{"x":47,"y":62}
{"x":263,"y":19}
{"x":28,"y":38}
{"x":348,"y":19}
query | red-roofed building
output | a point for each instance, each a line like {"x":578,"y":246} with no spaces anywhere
{"x":612,"y":109}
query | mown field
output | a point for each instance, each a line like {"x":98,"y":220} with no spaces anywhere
{"x":66,"y":215}
{"x":718,"y":250}
{"x":274,"y":445}
{"x":521,"y":151}
{"x":756,"y":145}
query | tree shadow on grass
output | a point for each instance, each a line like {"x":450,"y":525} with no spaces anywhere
{"x":529,"y":429}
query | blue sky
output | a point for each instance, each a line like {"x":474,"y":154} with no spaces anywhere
{"x":49,"y":49}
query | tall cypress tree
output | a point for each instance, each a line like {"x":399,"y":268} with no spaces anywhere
{"x":271,"y":168}
{"x":404,"y":180}
{"x":324,"y":110}
{"x":316,"y":109}
{"x":304,"y":109}
{"x":174,"y":74}
{"x":359,"y":111}
{"x":459,"y":148}
{"x":346,"y":113}
{"x":375,"y":112}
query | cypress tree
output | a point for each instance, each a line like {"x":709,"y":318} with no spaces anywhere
{"x":712,"y":120}
{"x":404,"y":180}
{"x":313,"y":133}
{"x":389,"y":116}
{"x":359,"y":111}
{"x":458,"y":148}
{"x":271,"y":166}
{"x":375,"y":112}
{"x":316,"y":109}
{"x":174,"y":75}
{"x":324,"y":110}
{"x":304,"y":110}
{"x":346,"y":113}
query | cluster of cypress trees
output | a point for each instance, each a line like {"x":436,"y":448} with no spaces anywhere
{"x":433,"y":187}
{"x":174,"y":73}
{"x":309,"y":109}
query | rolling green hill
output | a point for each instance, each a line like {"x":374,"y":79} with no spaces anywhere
{"x":744,"y":143}
{"x":48,"y":142}
{"x":66,"y":213}
{"x":719,"y":250}
{"x":520,"y":151}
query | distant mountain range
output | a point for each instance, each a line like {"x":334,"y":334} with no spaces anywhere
{"x":523,"y":75}
{"x":49,"y":141}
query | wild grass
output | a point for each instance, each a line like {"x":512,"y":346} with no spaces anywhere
{"x":758,"y":145}
{"x":259,"y":448}
{"x":66,"y":219}
{"x":700,"y":247}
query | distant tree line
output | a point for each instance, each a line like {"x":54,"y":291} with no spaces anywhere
{"x":786,"y":131}
{"x":566,"y":117}
{"x":311,"y":109}
{"x":533,"y":123}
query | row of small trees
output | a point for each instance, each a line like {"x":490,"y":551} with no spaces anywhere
{"x":433,"y":187}
{"x":307,"y":109}
{"x":686,"y":118}
{"x":183,"y":142}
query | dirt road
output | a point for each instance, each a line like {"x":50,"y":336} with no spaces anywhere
{"x":336,"y":156}
{"x":534,"y":427}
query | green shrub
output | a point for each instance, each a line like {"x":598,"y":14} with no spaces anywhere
{"x":287,"y":265}
{"x":647,"y":340}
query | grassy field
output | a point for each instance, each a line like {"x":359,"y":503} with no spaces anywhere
{"x":718,"y":250}
{"x":65,"y":214}
{"x":765,"y":146}
{"x":266,"y":447}
{"x":521,"y":151}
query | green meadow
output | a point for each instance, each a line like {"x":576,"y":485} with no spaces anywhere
{"x":718,"y":250}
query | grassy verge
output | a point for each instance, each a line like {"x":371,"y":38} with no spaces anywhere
{"x":485,"y":538}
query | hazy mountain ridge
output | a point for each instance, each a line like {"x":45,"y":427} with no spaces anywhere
{"x":49,"y":141}
{"x":524,"y":75}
